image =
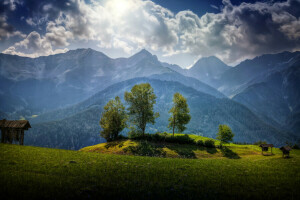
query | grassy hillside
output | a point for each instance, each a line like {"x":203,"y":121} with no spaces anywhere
{"x":34,"y":172}
{"x":173,"y":150}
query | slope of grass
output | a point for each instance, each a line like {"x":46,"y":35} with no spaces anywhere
{"x":171,"y":150}
{"x":34,"y":172}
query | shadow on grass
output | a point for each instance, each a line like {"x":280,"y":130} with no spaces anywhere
{"x":145,"y":148}
{"x":269,"y":154}
{"x":228,"y":153}
{"x":211,"y":150}
{"x":187,"y":152}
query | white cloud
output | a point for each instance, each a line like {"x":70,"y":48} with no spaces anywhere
{"x":233,"y":34}
{"x":12,"y":3}
{"x":33,"y":46}
{"x":30,"y":22}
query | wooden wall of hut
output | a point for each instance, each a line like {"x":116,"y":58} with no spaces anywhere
{"x":10,"y":135}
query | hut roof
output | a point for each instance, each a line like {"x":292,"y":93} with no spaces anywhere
{"x":23,"y":124}
{"x":286,"y":148}
{"x":266,"y":145}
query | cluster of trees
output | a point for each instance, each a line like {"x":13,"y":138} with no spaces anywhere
{"x":141,"y":100}
{"x":139,"y":113}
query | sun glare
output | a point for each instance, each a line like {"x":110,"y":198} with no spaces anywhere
{"x":119,"y":7}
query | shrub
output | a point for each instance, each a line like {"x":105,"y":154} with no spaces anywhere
{"x":209,"y":143}
{"x":260,"y":142}
{"x":180,"y":139}
{"x":200,"y":143}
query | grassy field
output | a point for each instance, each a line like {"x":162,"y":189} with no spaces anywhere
{"x":34,"y":172}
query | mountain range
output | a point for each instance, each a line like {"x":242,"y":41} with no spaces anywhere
{"x":63,"y":95}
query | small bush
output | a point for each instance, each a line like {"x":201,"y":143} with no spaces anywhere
{"x":260,"y":142}
{"x":163,"y":137}
{"x":209,"y":143}
{"x":200,"y":143}
{"x":180,"y":139}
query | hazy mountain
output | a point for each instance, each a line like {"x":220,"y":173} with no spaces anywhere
{"x":276,"y":95}
{"x":46,"y":83}
{"x":208,"y":70}
{"x":190,"y":82}
{"x":78,"y":125}
{"x":248,"y":72}
{"x":176,"y":68}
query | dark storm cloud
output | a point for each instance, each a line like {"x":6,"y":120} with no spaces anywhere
{"x":244,"y":31}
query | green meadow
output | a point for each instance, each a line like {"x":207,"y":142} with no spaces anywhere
{"x":99,"y":171}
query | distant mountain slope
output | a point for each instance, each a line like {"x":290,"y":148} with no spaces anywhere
{"x":208,"y":69}
{"x":51,"y":82}
{"x":190,"y":82}
{"x":239,"y":76}
{"x":276,"y":96}
{"x":78,"y":125}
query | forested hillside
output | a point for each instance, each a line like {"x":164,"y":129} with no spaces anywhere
{"x":78,"y":126}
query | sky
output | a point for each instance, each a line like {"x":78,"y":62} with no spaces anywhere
{"x":177,"y":31}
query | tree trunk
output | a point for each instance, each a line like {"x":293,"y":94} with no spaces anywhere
{"x":144,"y":131}
{"x":173,"y":124}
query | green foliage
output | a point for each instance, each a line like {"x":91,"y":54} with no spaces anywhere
{"x":113,"y":119}
{"x":225,"y":134}
{"x":200,"y":143}
{"x":180,"y":113}
{"x":259,"y":142}
{"x":144,"y":148}
{"x":209,"y":143}
{"x":164,"y":137}
{"x":141,"y":100}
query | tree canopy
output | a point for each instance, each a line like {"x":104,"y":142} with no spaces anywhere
{"x":141,"y":100}
{"x":225,"y":134}
{"x":113,"y":119}
{"x":180,"y":113}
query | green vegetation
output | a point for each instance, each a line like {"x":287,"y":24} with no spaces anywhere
{"x":113,"y":119}
{"x":180,"y":113}
{"x":141,"y":100}
{"x":34,"y":172}
{"x":225,"y":134}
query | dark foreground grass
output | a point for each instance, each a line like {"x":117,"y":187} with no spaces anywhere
{"x":33,"y":172}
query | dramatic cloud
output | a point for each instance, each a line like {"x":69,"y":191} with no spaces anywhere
{"x":7,"y":30}
{"x":34,"y":45}
{"x":233,"y":34}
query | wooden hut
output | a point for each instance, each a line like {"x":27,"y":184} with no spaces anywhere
{"x":265,"y":147}
{"x":286,"y":151}
{"x":13,"y":130}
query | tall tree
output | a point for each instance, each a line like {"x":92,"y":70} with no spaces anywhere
{"x":141,"y":100}
{"x":180,"y":113}
{"x":225,"y":134}
{"x":113,"y":119}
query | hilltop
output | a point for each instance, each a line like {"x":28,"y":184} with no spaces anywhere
{"x":185,"y":146}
